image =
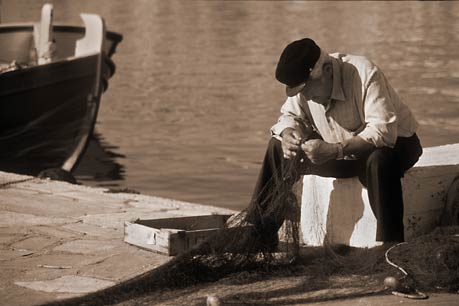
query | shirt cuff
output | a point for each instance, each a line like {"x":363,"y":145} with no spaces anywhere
{"x":280,"y":126}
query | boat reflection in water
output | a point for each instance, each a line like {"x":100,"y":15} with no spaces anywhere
{"x":99,"y":165}
{"x":50,"y":91}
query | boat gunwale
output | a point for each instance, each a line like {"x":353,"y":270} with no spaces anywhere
{"x":115,"y":37}
{"x":7,"y":27}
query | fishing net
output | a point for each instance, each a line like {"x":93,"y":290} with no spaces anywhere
{"x":249,"y":244}
{"x":431,"y":262}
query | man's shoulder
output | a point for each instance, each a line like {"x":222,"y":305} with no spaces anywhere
{"x":350,"y":62}
{"x":355,"y":60}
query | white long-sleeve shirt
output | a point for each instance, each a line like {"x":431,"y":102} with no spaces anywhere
{"x":362,"y":103}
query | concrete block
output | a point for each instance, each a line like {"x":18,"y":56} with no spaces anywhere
{"x":338,"y":211}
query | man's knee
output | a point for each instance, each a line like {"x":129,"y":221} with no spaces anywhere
{"x":382,"y":160}
{"x":275,"y":146}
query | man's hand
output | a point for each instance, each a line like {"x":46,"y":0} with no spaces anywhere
{"x":291,"y":142}
{"x":319,"y":151}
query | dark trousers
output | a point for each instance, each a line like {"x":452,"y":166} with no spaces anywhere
{"x":380,"y":171}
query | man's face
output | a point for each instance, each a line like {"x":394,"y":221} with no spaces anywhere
{"x":319,"y":89}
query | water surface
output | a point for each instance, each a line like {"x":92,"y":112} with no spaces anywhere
{"x":188,"y":113}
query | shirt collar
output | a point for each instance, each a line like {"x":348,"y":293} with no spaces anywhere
{"x":337,"y":89}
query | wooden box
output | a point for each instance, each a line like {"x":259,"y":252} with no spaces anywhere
{"x":172,"y":236}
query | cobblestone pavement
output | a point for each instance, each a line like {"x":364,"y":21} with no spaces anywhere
{"x":59,"y":240}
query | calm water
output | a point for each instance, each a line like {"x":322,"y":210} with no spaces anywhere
{"x":188,"y":113}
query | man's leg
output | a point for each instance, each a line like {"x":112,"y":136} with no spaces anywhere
{"x":268,"y":205}
{"x":385,"y":194}
{"x":384,"y":168}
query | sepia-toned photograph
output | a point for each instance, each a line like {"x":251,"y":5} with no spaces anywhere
{"x":211,"y":152}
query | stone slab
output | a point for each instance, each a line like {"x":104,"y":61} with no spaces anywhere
{"x":86,"y":246}
{"x":34,"y":243}
{"x":83,"y":228}
{"x":338,"y":210}
{"x":8,"y":219}
{"x":68,"y":284}
{"x":114,"y":267}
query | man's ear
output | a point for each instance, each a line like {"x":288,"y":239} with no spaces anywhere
{"x":327,"y":69}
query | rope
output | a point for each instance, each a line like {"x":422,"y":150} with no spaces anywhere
{"x":393,"y":264}
{"x":4,"y":185}
{"x":417,"y":295}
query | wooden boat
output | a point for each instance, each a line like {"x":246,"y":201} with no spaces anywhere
{"x":50,"y":97}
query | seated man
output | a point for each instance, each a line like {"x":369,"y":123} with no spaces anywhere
{"x":341,"y":119}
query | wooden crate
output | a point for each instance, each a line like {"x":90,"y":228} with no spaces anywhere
{"x":172,"y":236}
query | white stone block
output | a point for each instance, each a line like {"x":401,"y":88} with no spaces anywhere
{"x":338,"y":210}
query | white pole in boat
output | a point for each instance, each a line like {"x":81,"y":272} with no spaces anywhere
{"x":45,"y":41}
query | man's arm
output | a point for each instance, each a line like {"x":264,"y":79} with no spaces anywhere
{"x":319,"y":151}
{"x":357,"y":146}
{"x":380,"y":113}
{"x":292,"y":127}
{"x":380,"y":129}
{"x":292,"y":116}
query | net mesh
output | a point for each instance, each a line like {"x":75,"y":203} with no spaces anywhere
{"x":432,"y":263}
{"x":251,"y":244}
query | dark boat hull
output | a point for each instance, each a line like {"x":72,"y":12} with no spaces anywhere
{"x":48,"y":112}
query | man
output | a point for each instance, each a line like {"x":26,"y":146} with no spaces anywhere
{"x":341,"y":119}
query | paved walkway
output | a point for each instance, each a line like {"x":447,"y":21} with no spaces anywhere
{"x":59,"y":240}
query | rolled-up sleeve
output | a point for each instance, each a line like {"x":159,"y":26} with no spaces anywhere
{"x":380,"y":113}
{"x":291,"y":116}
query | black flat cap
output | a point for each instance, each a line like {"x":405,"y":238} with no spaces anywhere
{"x":296,"y":63}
